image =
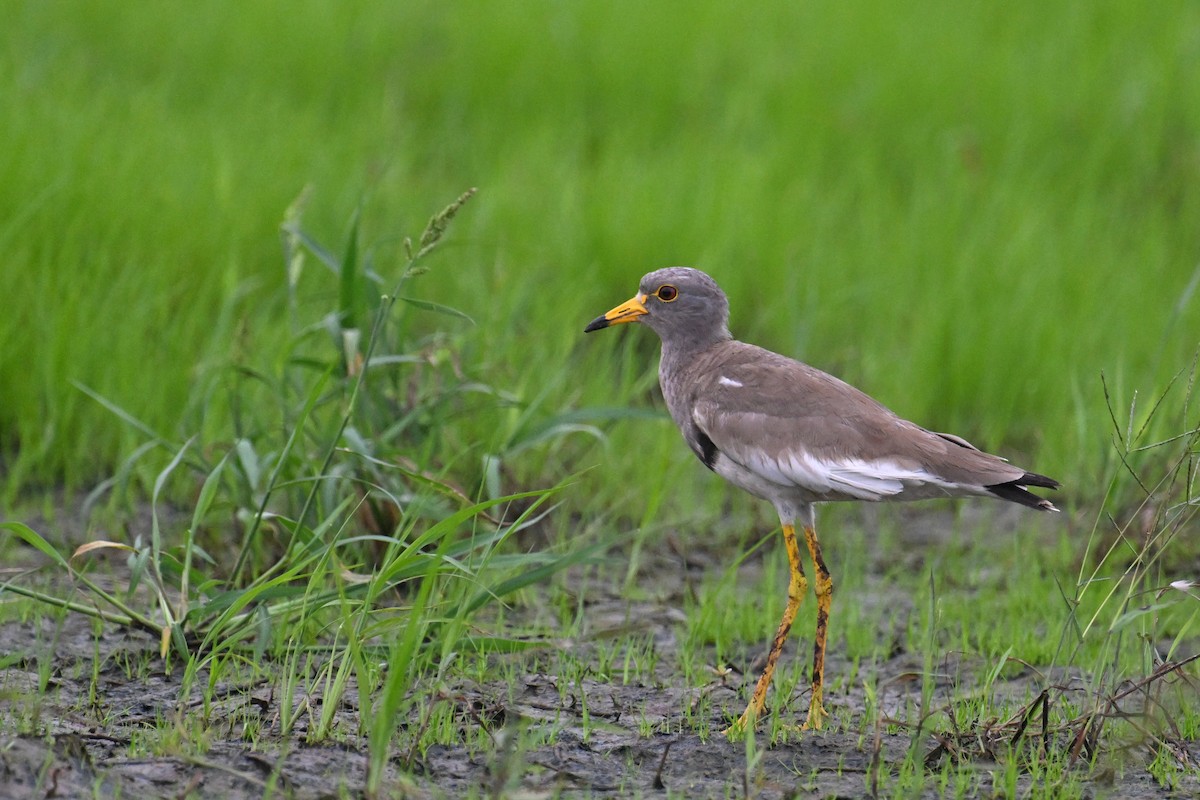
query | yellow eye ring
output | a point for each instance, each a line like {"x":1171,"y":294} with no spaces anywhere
{"x":667,"y":293}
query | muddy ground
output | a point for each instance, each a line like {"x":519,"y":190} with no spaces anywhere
{"x":64,"y":743}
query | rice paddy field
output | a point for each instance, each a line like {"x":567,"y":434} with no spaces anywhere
{"x":312,"y":486}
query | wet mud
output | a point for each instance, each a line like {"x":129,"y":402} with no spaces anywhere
{"x":67,"y":731}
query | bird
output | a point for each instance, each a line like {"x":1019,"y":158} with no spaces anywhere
{"x":788,"y":433}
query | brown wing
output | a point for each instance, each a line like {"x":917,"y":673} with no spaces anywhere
{"x":764,"y":409}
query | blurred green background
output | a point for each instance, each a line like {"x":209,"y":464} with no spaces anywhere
{"x":969,"y":210}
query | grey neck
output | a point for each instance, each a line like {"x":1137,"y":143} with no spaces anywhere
{"x":677,"y":355}
{"x":675,"y":348}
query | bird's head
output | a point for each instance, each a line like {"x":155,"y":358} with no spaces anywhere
{"x":682,"y":305}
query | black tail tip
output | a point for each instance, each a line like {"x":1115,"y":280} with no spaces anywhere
{"x":1033,"y":479}
{"x":1015,"y":491}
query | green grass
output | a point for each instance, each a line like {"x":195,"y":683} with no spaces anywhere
{"x":357,"y":566}
{"x":971,"y":219}
{"x":972,"y":215}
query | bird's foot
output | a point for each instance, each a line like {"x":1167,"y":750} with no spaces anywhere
{"x":746,"y":722}
{"x":816,"y":716}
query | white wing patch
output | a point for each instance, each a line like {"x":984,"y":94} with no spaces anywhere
{"x":853,"y":478}
{"x":730,"y":382}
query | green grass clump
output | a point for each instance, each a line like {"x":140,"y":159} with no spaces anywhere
{"x":359,"y":563}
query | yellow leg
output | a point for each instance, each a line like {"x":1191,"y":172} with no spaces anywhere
{"x":797,"y":586}
{"x":824,"y":591}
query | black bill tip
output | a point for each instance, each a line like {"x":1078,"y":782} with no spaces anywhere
{"x":596,"y":324}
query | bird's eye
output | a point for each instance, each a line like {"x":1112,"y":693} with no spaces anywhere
{"x":666,"y":293}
